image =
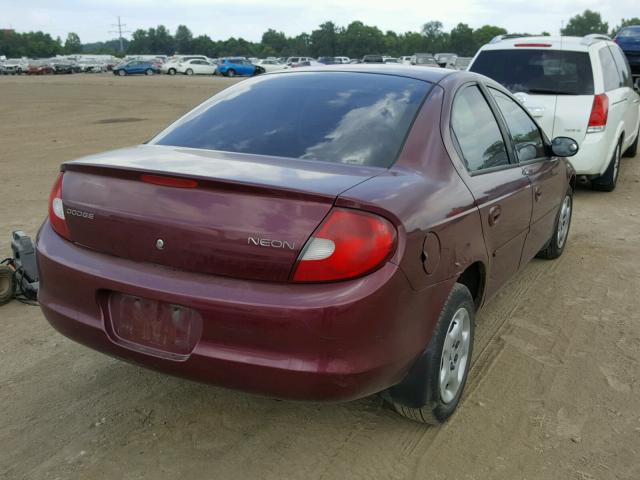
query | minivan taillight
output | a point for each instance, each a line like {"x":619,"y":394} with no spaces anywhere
{"x":56,"y":210}
{"x":348,"y":244}
{"x":599,"y":113}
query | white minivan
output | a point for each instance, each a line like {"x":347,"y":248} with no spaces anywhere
{"x":578,"y":87}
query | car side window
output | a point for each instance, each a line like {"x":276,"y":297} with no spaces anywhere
{"x":609,"y":71}
{"x":623,"y":66}
{"x":525,"y":134}
{"x":476,"y":130}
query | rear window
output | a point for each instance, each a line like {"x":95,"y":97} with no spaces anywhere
{"x":630,"y":32}
{"x":552,"y":72}
{"x":341,"y":117}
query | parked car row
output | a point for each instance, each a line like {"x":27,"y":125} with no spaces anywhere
{"x":57,"y":65}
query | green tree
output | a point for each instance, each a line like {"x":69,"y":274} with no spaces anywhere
{"x":73,"y":43}
{"x":436,"y":38}
{"x":485,"y":33}
{"x":461,"y":40}
{"x":359,"y":39}
{"x":625,"y":23}
{"x":585,"y":23}
{"x":324,"y":40}
{"x":275,"y":42}
{"x":183,"y":39}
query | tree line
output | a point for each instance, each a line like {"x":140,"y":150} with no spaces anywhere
{"x":329,"y":39}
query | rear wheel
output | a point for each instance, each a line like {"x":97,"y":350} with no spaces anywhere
{"x":149,"y":71}
{"x":608,"y":180}
{"x":171,"y":71}
{"x":189,"y":71}
{"x":558,"y":240}
{"x":231,"y":72}
{"x":633,"y":149}
{"x":6,"y":284}
{"x":444,"y":366}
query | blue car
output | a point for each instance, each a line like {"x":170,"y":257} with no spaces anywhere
{"x":629,"y":41}
{"x":230,"y":67}
{"x":134,"y":67}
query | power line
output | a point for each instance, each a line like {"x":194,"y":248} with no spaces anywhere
{"x":120,"y":31}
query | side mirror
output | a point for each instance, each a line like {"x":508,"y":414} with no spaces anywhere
{"x":564,"y":147}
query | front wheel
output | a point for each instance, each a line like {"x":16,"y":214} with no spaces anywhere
{"x":122,"y":73}
{"x":149,"y":71}
{"x":189,"y":72}
{"x":558,"y":239}
{"x":231,"y":73}
{"x":171,"y":71}
{"x":609,"y":179}
{"x":439,"y":376}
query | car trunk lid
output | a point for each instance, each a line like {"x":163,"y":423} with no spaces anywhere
{"x":242,"y":216}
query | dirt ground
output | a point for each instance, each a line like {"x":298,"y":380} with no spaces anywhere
{"x":554,"y":392}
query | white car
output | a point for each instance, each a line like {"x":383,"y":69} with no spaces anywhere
{"x":578,"y":87}
{"x":171,"y":65}
{"x":406,"y":60}
{"x":294,"y":60}
{"x":342,"y":60}
{"x":270,"y":65}
{"x":196,"y":67}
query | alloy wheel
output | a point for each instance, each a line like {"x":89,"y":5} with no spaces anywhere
{"x":455,"y":355}
{"x":564,"y":221}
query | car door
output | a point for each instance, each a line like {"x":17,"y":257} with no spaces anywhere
{"x":632,"y":113}
{"x":546,"y":173}
{"x":501,"y":190}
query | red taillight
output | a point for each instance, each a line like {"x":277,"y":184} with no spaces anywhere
{"x":599,"y":113}
{"x":347,"y":244}
{"x":56,"y":210}
{"x":542,"y":45}
{"x":170,"y":181}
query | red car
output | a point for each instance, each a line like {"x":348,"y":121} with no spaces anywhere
{"x":39,"y":68}
{"x":317,"y":234}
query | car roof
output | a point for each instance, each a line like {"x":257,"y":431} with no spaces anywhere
{"x":577,"y":44}
{"x":429,"y":74}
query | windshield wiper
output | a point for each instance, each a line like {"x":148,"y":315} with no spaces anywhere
{"x":550,"y":91}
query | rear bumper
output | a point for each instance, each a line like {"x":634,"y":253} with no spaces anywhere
{"x":593,"y":157}
{"x":336,"y":341}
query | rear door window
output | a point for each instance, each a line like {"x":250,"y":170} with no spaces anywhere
{"x":525,"y":134}
{"x":610,"y":74}
{"x":476,"y":131}
{"x":341,"y":117}
{"x":623,"y":66}
{"x":538,"y":71}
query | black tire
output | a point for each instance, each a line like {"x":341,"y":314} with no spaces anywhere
{"x":633,"y":149}
{"x":149,"y":72}
{"x":609,"y":179}
{"x":7,"y":287}
{"x":557,"y":242}
{"x":437,"y":408}
{"x":231,"y":72}
{"x":171,"y":71}
{"x":189,"y":71}
{"x":122,"y":73}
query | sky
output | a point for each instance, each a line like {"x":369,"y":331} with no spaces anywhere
{"x":93,"y":20}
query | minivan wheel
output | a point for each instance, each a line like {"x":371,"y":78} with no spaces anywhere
{"x":443,"y":368}
{"x":558,"y":240}
{"x":633,"y":149}
{"x":608,"y":180}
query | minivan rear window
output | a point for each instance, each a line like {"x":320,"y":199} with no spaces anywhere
{"x":342,"y":117}
{"x":537,"y":71}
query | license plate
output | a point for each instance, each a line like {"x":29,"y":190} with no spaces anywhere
{"x":153,"y":326}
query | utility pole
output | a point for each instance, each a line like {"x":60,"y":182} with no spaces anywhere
{"x":120,"y":32}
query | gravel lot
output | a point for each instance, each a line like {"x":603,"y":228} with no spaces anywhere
{"x":554,"y":392}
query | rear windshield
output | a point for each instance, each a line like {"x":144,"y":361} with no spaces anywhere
{"x":553,"y":72}
{"x":630,"y":32}
{"x":354,"y":118}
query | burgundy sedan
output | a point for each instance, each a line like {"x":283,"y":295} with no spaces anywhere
{"x":316,"y":234}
